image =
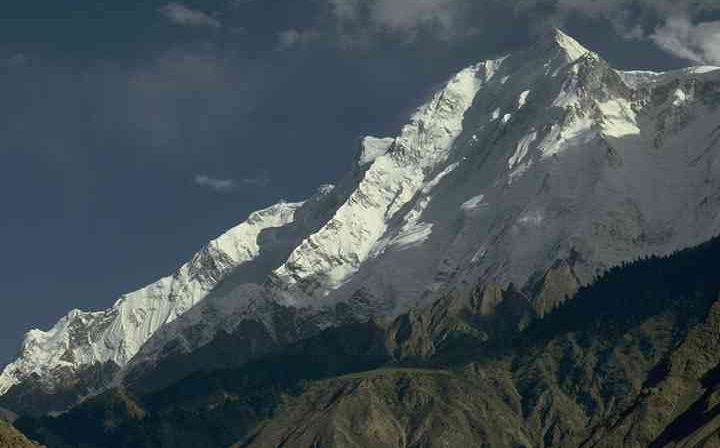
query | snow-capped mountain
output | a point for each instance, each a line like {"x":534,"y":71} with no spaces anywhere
{"x":534,"y":170}
{"x":86,"y":338}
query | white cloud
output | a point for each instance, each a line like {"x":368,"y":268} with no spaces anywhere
{"x":182,"y":15}
{"x":697,"y":42}
{"x":215,"y":184}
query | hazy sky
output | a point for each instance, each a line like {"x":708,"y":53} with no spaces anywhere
{"x":132,"y":132}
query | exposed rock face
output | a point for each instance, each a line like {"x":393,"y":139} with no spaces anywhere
{"x":520,"y":180}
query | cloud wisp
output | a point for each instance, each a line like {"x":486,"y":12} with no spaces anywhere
{"x":261,"y":181}
{"x":182,"y":15}
{"x":215,"y":184}
{"x":221,"y":185}
{"x":697,"y":42}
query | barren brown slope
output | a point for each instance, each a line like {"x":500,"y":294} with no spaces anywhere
{"x":12,"y":438}
{"x":580,"y":377}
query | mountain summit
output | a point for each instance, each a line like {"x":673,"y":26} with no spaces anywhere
{"x":518,"y":182}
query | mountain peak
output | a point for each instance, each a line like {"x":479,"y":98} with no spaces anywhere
{"x":512,"y":168}
{"x":558,"y":39}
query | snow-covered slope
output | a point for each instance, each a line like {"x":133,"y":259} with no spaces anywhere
{"x":86,"y":338}
{"x":325,"y":259}
{"x":516,"y":166}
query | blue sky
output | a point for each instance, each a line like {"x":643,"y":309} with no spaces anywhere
{"x":135,"y":131}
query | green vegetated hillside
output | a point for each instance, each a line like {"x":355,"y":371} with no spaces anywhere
{"x":632,"y":361}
